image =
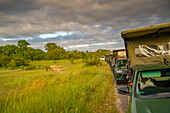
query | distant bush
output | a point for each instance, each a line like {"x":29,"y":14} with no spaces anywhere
{"x":71,"y":60}
{"x":12,"y":64}
{"x":22,"y":67}
{"x":29,"y":68}
{"x":17,"y":62}
{"x":4,"y":60}
{"x":91,"y":60}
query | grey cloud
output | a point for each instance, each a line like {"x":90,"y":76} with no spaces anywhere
{"x":13,"y":7}
{"x":95,"y":20}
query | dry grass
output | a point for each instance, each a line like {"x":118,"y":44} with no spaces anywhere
{"x":74,"y":88}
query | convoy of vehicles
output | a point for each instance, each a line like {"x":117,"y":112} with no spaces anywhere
{"x":109,"y":58}
{"x":148,"y":54}
{"x":119,"y":64}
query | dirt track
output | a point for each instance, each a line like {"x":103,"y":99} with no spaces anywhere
{"x":122,"y":100}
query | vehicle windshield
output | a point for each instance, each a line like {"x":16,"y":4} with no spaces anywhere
{"x":153,"y":84}
{"x":121,"y":62}
{"x":153,"y":50}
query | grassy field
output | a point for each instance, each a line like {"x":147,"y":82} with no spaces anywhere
{"x":69,"y":88}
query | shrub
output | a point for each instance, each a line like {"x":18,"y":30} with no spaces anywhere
{"x":22,"y":67}
{"x":4,"y":60}
{"x":91,"y":60}
{"x":21,"y":62}
{"x":71,"y":60}
{"x":12,"y":64}
{"x":29,"y":68}
{"x":17,"y":62}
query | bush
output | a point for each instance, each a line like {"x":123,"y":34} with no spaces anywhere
{"x":4,"y":60}
{"x":22,"y":67}
{"x":91,"y":60}
{"x":71,"y":60}
{"x":12,"y":64}
{"x":17,"y":62}
{"x":29,"y":68}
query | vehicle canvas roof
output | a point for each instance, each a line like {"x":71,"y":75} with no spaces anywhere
{"x":165,"y":27}
{"x":119,"y":54}
{"x":118,"y":50}
{"x":147,"y":36}
{"x":122,"y":59}
{"x":109,"y":54}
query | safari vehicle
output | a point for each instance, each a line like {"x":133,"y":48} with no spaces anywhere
{"x":108,"y":58}
{"x":119,"y":63}
{"x":148,"y":54}
{"x":102,"y":58}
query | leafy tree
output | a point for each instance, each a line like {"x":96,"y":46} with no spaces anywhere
{"x":70,"y":55}
{"x":34,"y":54}
{"x":55,"y":52}
{"x":50,"y":46}
{"x":39,"y":54}
{"x":4,"y":60}
{"x":1,"y":49}
{"x":11,"y":49}
{"x":22,"y":52}
{"x":8,"y":50}
{"x":20,"y":62}
{"x":15,"y":56}
{"x":22,"y":44}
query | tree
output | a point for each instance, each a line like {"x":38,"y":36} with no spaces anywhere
{"x":55,"y":52}
{"x":4,"y":60}
{"x":22,"y":44}
{"x":50,"y":46}
{"x":18,"y":61}
{"x":10,"y":50}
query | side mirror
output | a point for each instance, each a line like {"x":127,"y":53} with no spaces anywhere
{"x":124,"y":90}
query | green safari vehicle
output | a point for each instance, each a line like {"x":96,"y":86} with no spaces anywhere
{"x":119,"y":65}
{"x":148,"y":54}
{"x":120,"y":71}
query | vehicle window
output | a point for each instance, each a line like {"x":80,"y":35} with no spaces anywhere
{"x":121,"y":62}
{"x":154,"y":84}
{"x":152,"y":50}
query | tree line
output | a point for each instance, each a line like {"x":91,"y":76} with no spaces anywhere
{"x":20,"y":54}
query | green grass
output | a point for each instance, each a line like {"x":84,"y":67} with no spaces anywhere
{"x":71,"y":88}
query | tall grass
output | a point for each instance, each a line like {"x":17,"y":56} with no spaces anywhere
{"x":75,"y":88}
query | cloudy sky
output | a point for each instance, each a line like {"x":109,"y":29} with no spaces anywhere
{"x":77,"y":24}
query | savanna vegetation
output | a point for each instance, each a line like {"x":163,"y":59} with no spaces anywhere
{"x":66,"y":88}
{"x":14,"y":56}
{"x":32,"y":80}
